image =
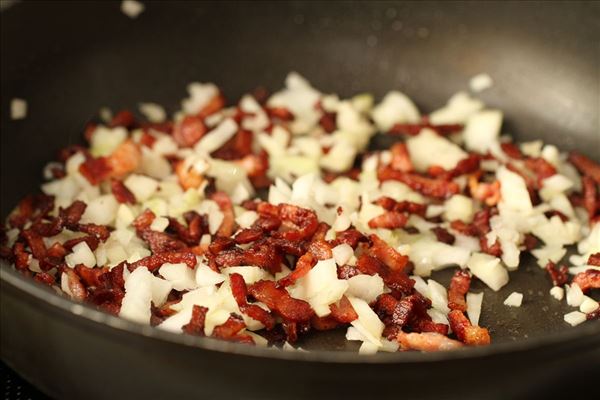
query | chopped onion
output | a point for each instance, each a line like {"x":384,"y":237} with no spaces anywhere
{"x":342,"y":253}
{"x":488,"y":269}
{"x":514,"y":299}
{"x":18,"y":109}
{"x":368,"y":323}
{"x":365,"y":287}
{"x":474,"y":301}
{"x":395,"y":108}
{"x":557,"y":292}
{"x":216,"y":138}
{"x":428,"y":148}
{"x":153,"y":112}
{"x":138,"y":296}
{"x":588,"y":305}
{"x":132,"y":8}
{"x":438,"y":296}
{"x":81,"y":254}
{"x":574,"y":295}
{"x":180,"y":275}
{"x":458,"y":207}
{"x":482,"y":130}
{"x":141,"y":186}
{"x":480,"y":82}
{"x":575,"y":318}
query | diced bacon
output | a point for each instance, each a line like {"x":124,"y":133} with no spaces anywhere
{"x":459,"y":286}
{"x":427,"y":341}
{"x":280,"y":301}
{"x":587,"y":280}
{"x":437,"y":188}
{"x":471,"y":335}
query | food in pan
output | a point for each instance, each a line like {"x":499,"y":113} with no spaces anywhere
{"x":271,"y":218}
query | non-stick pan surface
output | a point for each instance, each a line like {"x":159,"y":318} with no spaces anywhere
{"x":69,"y":58}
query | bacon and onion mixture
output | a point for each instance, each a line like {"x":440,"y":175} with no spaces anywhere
{"x":160,"y":222}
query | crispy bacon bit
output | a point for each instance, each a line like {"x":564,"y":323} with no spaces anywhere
{"x":343,"y":311}
{"x":35,"y":243}
{"x":493,"y":250}
{"x":91,"y":241}
{"x":196,"y":325}
{"x":437,"y":188}
{"x":161,"y":242}
{"x":228,"y":225}
{"x":486,"y":192}
{"x":590,"y":196}
{"x":44,"y":278}
{"x":75,"y":286}
{"x":230,"y":330}
{"x":559,"y":276}
{"x":255,"y":165}
{"x":191,"y":234}
{"x":124,"y":118}
{"x":387,"y":254}
{"x":427,"y":341}
{"x":530,"y":242}
{"x":587,"y":280}
{"x":396,"y":314}
{"x":147,"y":140}
{"x":280,"y":301}
{"x":55,"y":255}
{"x":121,"y":193}
{"x":280,"y":113}
{"x":90,"y":276}
{"x":541,"y":168}
{"x":459,"y":286}
{"x":347,"y":272}
{"x":125,"y":159}
{"x":189,"y":131}
{"x":351,"y":237}
{"x":188,"y":177}
{"x":215,"y":104}
{"x":71,"y":215}
{"x":261,"y":254}
{"x":303,"y":267}
{"x":471,"y":335}
{"x":240,"y":292}
{"x":396,"y":280}
{"x":326,"y":323}
{"x":143,"y":221}
{"x":464,"y":228}
{"x":414,"y":129}
{"x":402,"y":206}
{"x":327,"y":122}
{"x":388,"y":220}
{"x":101,"y":232}
{"x":401,"y":158}
{"x":95,"y":170}
{"x":21,"y":257}
{"x":297,"y":223}
{"x":443,"y":235}
{"x":585,"y":165}
{"x":594,"y":259}
{"x":511,"y":150}
{"x":154,"y":261}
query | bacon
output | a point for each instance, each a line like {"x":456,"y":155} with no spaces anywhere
{"x":402,"y":206}
{"x":415,"y":129}
{"x":261,"y":254}
{"x":45,"y":278}
{"x":401,"y":158}
{"x":280,"y":301}
{"x":559,"y":276}
{"x":351,"y":237}
{"x":594,"y":259}
{"x":230,"y":330}
{"x":387,"y":254}
{"x":320,"y":249}
{"x":75,"y":286}
{"x":71,"y":215}
{"x":303,"y":267}
{"x":459,"y":286}
{"x":280,"y":113}
{"x":55,"y":255}
{"x":196,"y":325}
{"x":347,"y":271}
{"x":121,"y":193}
{"x":511,"y":150}
{"x":471,"y":335}
{"x":91,"y":241}
{"x":326,"y":323}
{"x":485,"y":192}
{"x":240,"y":292}
{"x":343,"y":311}
{"x":590,"y":196}
{"x":154,"y":261}
{"x":191,"y":234}
{"x":35,"y":243}
{"x":530,"y":242}
{"x":143,"y":221}
{"x":161,"y":242}
{"x":228,"y":225}
{"x":426,"y":341}
{"x":541,"y":168}
{"x":327,"y":122}
{"x":147,"y":139}
{"x":21,"y":257}
{"x":493,"y":250}
{"x":297,"y":223}
{"x":437,"y":188}
{"x":388,"y":220}
{"x":443,"y":235}
{"x":125,"y":159}
{"x":95,"y":170}
{"x":101,"y":232}
{"x":124,"y":118}
{"x":587,"y":280}
{"x":90,"y":276}
{"x":396,"y":280}
{"x":254,"y":165}
{"x":398,"y":313}
{"x":585,"y":165}
{"x":238,"y":147}
{"x":215,"y":104}
{"x":465,"y":166}
{"x":189,"y":131}
{"x":188,"y":177}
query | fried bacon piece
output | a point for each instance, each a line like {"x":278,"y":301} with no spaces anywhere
{"x":191,"y":234}
{"x":35,"y":243}
{"x":585,"y":165}
{"x":489,"y":193}
{"x":402,"y":206}
{"x":71,"y":215}
{"x":143,"y":221}
{"x":124,"y":118}
{"x":255,"y":165}
{"x":465,"y":332}
{"x":261,"y":254}
{"x":559,"y":276}
{"x":437,"y":188}
{"x":45,"y":278}
{"x":230,"y":330}
{"x":443,"y":235}
{"x":161,"y":242}
{"x":351,"y":237}
{"x":387,"y":254}
{"x":587,"y":280}
{"x":125,"y":159}
{"x":154,"y":261}
{"x":20,"y":256}
{"x":541,"y":168}
{"x":75,"y":286}
{"x":280,"y":301}
{"x":401,"y":158}
{"x":427,"y":341}
{"x":240,"y":292}
{"x":91,"y":241}
{"x":121,"y":193}
{"x":511,"y":150}
{"x":228,"y":225}
{"x":465,"y":166}
{"x":414,"y":129}
{"x":196,"y":325}
{"x":100,"y":232}
{"x":297,"y":223}
{"x":459,"y":286}
{"x":189,"y":131}
{"x":594,"y":259}
{"x":303,"y":267}
{"x":397,"y":280}
{"x":343,"y":311}
{"x":389,"y":220}
{"x":590,"y":196}
{"x":215,"y":104}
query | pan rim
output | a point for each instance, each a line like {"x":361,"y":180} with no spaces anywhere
{"x":80,"y":312}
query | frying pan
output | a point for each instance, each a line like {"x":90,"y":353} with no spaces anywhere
{"x":69,"y":58}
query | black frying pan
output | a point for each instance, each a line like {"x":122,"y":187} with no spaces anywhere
{"x":69,"y":58}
